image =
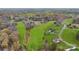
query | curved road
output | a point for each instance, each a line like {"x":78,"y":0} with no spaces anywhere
{"x":73,"y":46}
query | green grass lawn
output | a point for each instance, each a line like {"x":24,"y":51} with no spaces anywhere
{"x":22,"y":31}
{"x":50,"y":37}
{"x":36,"y":36}
{"x":68,"y":21}
{"x":69,"y":36}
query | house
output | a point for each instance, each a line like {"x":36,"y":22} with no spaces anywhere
{"x":29,"y":24}
{"x":56,"y":40}
{"x":76,"y":19}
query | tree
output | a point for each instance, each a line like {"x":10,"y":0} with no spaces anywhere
{"x":77,"y":35}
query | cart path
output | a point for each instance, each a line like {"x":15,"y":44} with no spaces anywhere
{"x":64,"y":27}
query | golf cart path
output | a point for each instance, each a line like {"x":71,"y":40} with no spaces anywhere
{"x":73,"y":46}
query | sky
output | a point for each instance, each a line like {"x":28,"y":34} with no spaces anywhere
{"x":39,"y":3}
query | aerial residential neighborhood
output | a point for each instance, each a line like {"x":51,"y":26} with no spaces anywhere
{"x":39,"y":29}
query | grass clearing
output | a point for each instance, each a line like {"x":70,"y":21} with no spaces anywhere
{"x":36,"y":36}
{"x":22,"y":31}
